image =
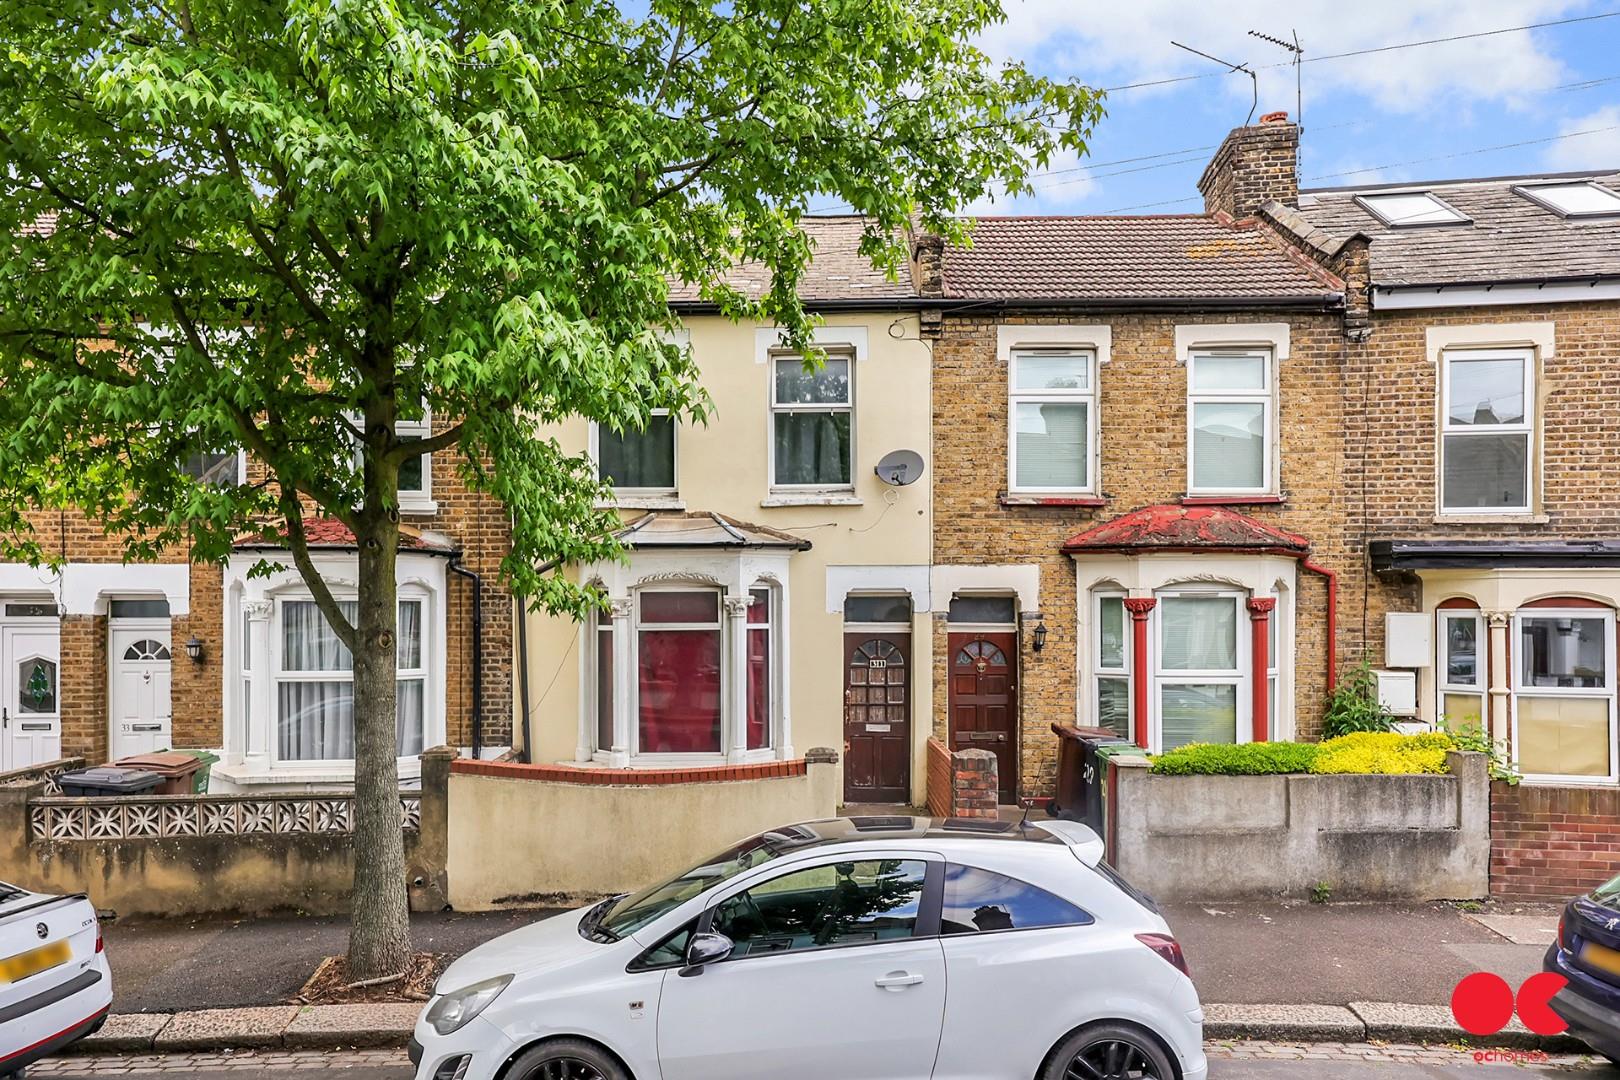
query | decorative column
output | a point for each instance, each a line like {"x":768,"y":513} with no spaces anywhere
{"x":736,"y":646}
{"x":258,"y":708}
{"x":1496,"y":721}
{"x":624,"y":680}
{"x":1260,"y":608}
{"x":1140,"y":607}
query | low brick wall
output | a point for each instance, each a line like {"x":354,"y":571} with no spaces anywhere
{"x":939,"y":779}
{"x":1551,"y":843}
{"x":1260,"y":837}
{"x":189,"y":855}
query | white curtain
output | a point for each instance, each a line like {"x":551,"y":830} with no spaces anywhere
{"x":308,"y":642}
{"x":408,"y":657}
{"x":1199,"y":633}
{"x":411,"y":699}
{"x":316,"y":721}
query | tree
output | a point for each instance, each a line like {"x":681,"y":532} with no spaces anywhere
{"x":287,"y":224}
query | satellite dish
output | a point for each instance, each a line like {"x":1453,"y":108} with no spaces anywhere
{"x":900,"y":467}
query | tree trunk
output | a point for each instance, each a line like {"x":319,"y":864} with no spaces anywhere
{"x":380,"y":932}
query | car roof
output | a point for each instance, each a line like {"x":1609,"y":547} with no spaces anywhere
{"x":901,"y":827}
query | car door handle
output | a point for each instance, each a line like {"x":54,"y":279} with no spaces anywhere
{"x":897,"y":980}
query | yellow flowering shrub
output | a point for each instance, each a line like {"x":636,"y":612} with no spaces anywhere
{"x":1384,"y":752}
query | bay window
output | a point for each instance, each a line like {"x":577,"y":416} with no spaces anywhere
{"x":314,"y":684}
{"x":702,"y":678}
{"x":1230,"y":422}
{"x":1487,"y":424}
{"x":1564,"y":693}
{"x":812,"y":413}
{"x":1202,"y":668}
{"x":1460,"y":673}
{"x":1111,"y":695}
{"x":1052,"y":404}
{"x":639,"y":462}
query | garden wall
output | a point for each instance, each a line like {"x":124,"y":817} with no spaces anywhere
{"x":1366,"y":837}
{"x":188,"y":855}
{"x":1551,"y":843}
{"x":560,"y":834}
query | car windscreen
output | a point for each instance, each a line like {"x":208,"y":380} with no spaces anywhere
{"x":628,"y":914}
{"x":1608,"y":895}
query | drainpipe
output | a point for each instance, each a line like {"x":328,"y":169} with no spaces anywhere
{"x":1332,"y":618}
{"x":521,"y":614}
{"x":477,"y":652}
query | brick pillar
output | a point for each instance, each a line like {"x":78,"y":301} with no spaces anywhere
{"x":1140,"y":607}
{"x":1260,"y":609}
{"x":83,"y":687}
{"x":973,"y":784}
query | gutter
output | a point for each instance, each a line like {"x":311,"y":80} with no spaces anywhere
{"x":477,"y":652}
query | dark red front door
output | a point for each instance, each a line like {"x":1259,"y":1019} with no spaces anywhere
{"x":877,"y":718}
{"x":984,"y":701}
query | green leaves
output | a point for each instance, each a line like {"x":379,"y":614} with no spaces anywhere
{"x":274,"y":216}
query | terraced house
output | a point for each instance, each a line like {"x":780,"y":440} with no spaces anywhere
{"x":1137,"y":464}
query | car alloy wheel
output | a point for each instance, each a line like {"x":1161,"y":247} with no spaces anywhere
{"x":1112,"y":1059}
{"x":566,"y":1068}
{"x":566,"y":1059}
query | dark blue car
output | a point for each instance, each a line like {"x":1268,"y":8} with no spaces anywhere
{"x":1587,"y":953}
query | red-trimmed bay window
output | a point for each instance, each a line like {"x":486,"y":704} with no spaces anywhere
{"x":679,"y":676}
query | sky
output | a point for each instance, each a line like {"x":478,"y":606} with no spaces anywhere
{"x":1402,"y":114}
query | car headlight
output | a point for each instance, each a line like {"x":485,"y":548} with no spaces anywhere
{"x":452,"y":1011}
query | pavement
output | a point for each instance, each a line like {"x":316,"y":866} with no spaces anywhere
{"x":172,"y":965}
{"x":1333,"y":954}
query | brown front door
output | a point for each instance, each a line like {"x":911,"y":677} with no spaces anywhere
{"x":877,"y":717}
{"x":984,"y":701}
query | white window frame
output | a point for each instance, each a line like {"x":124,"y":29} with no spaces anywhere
{"x":773,"y":684}
{"x":1123,"y":672}
{"x":1536,"y":194}
{"x":1087,"y":397}
{"x":1606,"y":692}
{"x":1526,"y":427}
{"x":1369,"y":203}
{"x":774,"y":357}
{"x":276,"y":674}
{"x":1442,"y":684}
{"x":418,"y":501}
{"x":629,"y":495}
{"x":1243,"y":722}
{"x":1266,"y":398}
{"x":632,"y":678}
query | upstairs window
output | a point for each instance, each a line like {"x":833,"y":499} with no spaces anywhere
{"x":639,"y":462}
{"x":1580,"y":198}
{"x":224,"y":468}
{"x":416,"y":473}
{"x":1230,"y":421}
{"x":1487,"y":422}
{"x":812,"y":413}
{"x":1404,"y":208}
{"x":1053,"y":409}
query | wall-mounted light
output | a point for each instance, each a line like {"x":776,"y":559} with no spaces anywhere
{"x":1040,"y":636}
{"x":194,"y":649}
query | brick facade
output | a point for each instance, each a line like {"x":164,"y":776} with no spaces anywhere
{"x":1551,"y":843}
{"x":1142,"y":434}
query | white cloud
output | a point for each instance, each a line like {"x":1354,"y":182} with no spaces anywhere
{"x":1110,"y":44}
{"x":1598,"y":150}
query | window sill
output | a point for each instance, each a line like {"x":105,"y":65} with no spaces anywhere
{"x":418,"y":507}
{"x":1232,"y":500}
{"x":1016,"y":499}
{"x":327,"y":773}
{"x":643,"y":502}
{"x":813,"y":499}
{"x":1491,"y":519}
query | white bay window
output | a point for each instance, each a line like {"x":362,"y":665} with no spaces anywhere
{"x":1564,"y":693}
{"x":1203,"y":668}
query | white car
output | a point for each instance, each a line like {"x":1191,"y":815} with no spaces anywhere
{"x":55,"y":986}
{"x":867,"y":948}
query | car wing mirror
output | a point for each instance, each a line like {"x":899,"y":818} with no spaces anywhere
{"x":705,"y":949}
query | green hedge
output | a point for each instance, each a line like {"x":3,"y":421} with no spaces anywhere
{"x":1363,"y":752}
{"x":1238,"y":759}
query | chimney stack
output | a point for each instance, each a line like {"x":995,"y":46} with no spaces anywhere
{"x":1255,"y":165}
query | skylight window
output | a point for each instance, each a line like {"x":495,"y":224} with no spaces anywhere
{"x":1581,"y":198}
{"x":1411,"y":208}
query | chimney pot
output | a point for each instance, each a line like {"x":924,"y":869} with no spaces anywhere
{"x":1275,"y":118}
